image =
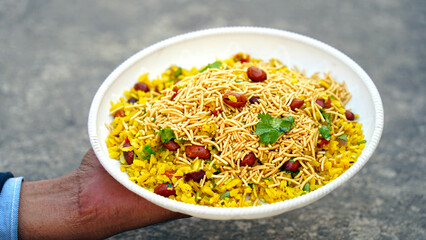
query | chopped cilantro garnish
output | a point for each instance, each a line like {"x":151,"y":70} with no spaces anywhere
{"x":270,"y":129}
{"x":216,"y":64}
{"x":177,"y":72}
{"x":225,"y":195}
{"x":166,"y":134}
{"x":343,"y":137}
{"x":228,"y":181}
{"x":147,"y":152}
{"x":361,"y":142}
{"x":326,"y":116}
{"x":155,"y":119}
{"x":325,"y":132}
{"x":169,"y":185}
{"x":307,"y":187}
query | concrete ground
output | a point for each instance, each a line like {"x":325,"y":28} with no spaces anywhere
{"x":55,"y":54}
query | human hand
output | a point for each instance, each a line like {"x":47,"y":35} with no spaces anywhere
{"x":86,"y":203}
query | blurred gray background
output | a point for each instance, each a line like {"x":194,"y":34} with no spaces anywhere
{"x":55,"y":54}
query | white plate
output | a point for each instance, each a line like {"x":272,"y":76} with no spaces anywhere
{"x":203,"y":47}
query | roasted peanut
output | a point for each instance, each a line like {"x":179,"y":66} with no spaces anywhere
{"x":248,"y":160}
{"x":321,"y":102}
{"x":291,"y":166}
{"x":235,"y":99}
{"x":165,"y":190}
{"x":256,"y":74}
{"x":196,"y":176}
{"x":254,"y":100}
{"x":128,"y":155}
{"x":296,"y":103}
{"x":171,"y":145}
{"x":195,"y":151}
{"x":132,"y":100}
{"x":141,"y":87}
{"x":349,"y":115}
{"x":120,"y":113}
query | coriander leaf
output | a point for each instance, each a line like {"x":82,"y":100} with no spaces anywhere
{"x":270,"y":137}
{"x":216,"y":64}
{"x":147,"y":152}
{"x":265,"y":117}
{"x":166,"y":134}
{"x":203,"y":69}
{"x":262,"y":128}
{"x":270,"y":129}
{"x":225,"y":195}
{"x":361,"y":142}
{"x":275,"y":123}
{"x":307,"y":187}
{"x":343,"y":137}
{"x":326,"y":116}
{"x":286,"y":124}
{"x":148,"y":149}
{"x":325,"y":132}
{"x":177,"y":72}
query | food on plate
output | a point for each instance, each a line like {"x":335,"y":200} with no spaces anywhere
{"x":237,"y":132}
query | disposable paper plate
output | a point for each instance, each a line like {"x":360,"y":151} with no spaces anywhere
{"x":202,"y":47}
